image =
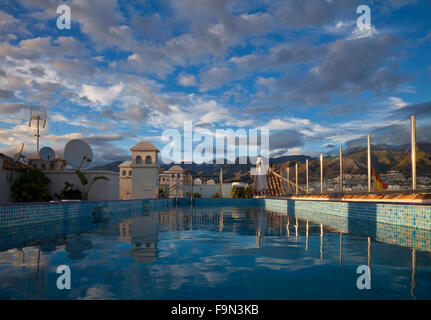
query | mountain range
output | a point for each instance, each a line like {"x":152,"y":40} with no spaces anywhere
{"x":384,"y":158}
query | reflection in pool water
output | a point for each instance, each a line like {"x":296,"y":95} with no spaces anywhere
{"x":212,"y":253}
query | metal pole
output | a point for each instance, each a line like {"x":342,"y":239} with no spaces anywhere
{"x":296,"y":182}
{"x":306,"y":172}
{"x":321,"y":173}
{"x":321,"y":241}
{"x":221,"y":182}
{"x":191,"y":189}
{"x":341,"y":169}
{"x":413,"y":282}
{"x":341,"y":249}
{"x":369,"y":162}
{"x":288,"y":178}
{"x":38,"y":136}
{"x":413,"y":129}
{"x":369,"y":252}
{"x":176,"y":189}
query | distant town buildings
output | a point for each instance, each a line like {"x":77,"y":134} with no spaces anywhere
{"x":358,"y":182}
{"x":170,"y":178}
{"x":58,"y":164}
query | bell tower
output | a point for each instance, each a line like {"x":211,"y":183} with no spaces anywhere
{"x":145,"y":169}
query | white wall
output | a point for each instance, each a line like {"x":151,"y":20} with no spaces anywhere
{"x":145,"y":181}
{"x":101,"y":190}
{"x":207,"y":191}
{"x":125,"y":187}
{"x":5,"y":185}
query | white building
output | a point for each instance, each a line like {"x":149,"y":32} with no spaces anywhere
{"x":139,"y":177}
{"x":102,"y":190}
{"x":169,"y":178}
{"x":58,"y":164}
{"x":9,"y":172}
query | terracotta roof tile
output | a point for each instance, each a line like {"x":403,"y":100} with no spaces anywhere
{"x":8,"y":163}
{"x":37,"y":157}
{"x":144,"y":146}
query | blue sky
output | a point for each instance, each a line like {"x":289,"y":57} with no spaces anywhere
{"x":127,"y":70}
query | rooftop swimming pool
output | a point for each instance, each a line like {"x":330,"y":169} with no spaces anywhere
{"x":212,"y":252}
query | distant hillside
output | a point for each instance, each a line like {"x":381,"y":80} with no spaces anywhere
{"x":111,"y":166}
{"x":355,"y":162}
{"x":231,"y":172}
{"x":384,"y":158}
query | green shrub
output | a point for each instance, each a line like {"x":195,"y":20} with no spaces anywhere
{"x":238,"y":192}
{"x":85,"y":185}
{"x":248,"y":192}
{"x":69,"y":192}
{"x":31,"y":186}
{"x":215,"y":195}
{"x":197,"y":195}
{"x":162,"y":193}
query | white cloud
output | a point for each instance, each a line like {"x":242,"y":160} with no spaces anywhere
{"x":362,"y":33}
{"x":187,"y":80}
{"x":397,"y":103}
{"x":102,"y":96}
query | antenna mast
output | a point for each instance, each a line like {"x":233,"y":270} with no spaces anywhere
{"x":38,"y":116}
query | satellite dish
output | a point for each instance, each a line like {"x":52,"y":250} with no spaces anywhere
{"x":18,"y":153}
{"x":47,"y":154}
{"x":78,"y":154}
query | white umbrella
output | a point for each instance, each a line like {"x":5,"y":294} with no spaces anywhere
{"x":260,"y":181}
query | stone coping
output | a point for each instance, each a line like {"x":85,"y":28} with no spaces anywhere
{"x":413,"y":198}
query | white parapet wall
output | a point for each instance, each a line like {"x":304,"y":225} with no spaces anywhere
{"x":207,"y":191}
{"x":101,"y":190}
{"x":7,"y":177}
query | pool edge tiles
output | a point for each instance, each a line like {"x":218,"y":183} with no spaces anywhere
{"x":13,"y":215}
{"x":415,"y":215}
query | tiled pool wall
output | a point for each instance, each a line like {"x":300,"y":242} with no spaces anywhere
{"x":29,"y":214}
{"x":409,"y":215}
{"x":34,"y":223}
{"x":401,"y":224}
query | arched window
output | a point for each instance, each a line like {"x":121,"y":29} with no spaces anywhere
{"x":34,"y":166}
{"x":51,"y":166}
{"x":138,"y":159}
{"x":148,"y":160}
{"x":124,"y":173}
{"x":43,"y":166}
{"x":130,"y":172}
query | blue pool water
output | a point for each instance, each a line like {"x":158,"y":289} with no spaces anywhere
{"x":211,"y":253}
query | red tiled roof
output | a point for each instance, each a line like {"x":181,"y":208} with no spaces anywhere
{"x":37,"y":157}
{"x":8,"y":163}
{"x":144,"y":146}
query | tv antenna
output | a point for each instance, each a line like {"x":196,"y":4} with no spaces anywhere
{"x":47,"y":154}
{"x":37,"y":116}
{"x":78,"y":154}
